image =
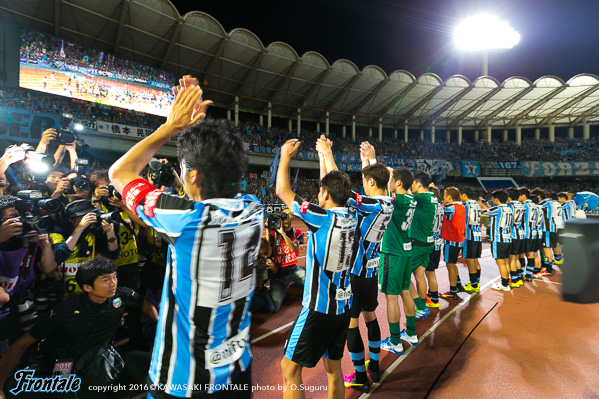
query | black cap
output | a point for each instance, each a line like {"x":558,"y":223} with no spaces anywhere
{"x":78,"y":208}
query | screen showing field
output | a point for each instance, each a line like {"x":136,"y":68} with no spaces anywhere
{"x":53,"y":65}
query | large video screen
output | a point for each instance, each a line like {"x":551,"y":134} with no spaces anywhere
{"x":53,"y":65}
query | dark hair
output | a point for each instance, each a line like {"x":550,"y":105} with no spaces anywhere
{"x":512,"y":193}
{"x":501,"y":195}
{"x":453,"y":192}
{"x":562,"y":195}
{"x":435,"y":191}
{"x":215,"y":149}
{"x":338,"y":186}
{"x":378,"y":172}
{"x":468,"y":192}
{"x":538,"y":192}
{"x":405,"y":176}
{"x":423,"y":178}
{"x":99,"y":174}
{"x":90,"y":271}
{"x":524,"y":191}
{"x":7,"y":201}
{"x":552,"y":195}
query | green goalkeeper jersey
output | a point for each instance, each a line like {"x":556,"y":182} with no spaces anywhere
{"x":422,"y":226}
{"x":396,"y":239}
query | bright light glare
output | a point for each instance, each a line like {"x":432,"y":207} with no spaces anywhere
{"x":485,"y":32}
{"x":36,"y":166}
{"x":78,"y":126}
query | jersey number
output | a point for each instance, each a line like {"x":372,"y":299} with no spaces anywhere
{"x":226,"y":242}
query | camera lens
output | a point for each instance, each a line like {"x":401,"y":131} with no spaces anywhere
{"x":50,"y":205}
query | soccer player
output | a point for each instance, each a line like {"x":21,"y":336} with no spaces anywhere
{"x":320,"y":330}
{"x":374,"y":213}
{"x":453,"y":235}
{"x":423,"y":242}
{"x":531,"y":242}
{"x":549,"y":237}
{"x":395,"y":265}
{"x":202,"y":337}
{"x":500,"y":231}
{"x":517,"y":247}
{"x":558,"y":219}
{"x":433,"y":262}
{"x":568,"y":207}
{"x":473,"y":247}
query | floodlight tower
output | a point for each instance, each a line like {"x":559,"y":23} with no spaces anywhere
{"x":485,"y":33}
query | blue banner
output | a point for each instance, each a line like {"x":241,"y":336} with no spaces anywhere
{"x":470,"y":169}
{"x":272,"y":172}
{"x":21,"y":125}
{"x":550,"y":169}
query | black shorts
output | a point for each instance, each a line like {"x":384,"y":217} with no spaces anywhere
{"x":472,"y":249}
{"x":315,"y":335}
{"x":433,"y":262}
{"x":366,"y":292}
{"x":549,"y":240}
{"x":500,"y":250}
{"x":451,"y":253}
{"x":517,"y":247}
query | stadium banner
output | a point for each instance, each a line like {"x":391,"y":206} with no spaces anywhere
{"x":470,"y":169}
{"x":551,"y":169}
{"x":122,"y":130}
{"x":23,"y":126}
{"x":500,"y":165}
{"x":272,"y":208}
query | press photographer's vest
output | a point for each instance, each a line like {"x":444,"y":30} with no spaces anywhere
{"x":68,"y":269}
{"x":282,"y":253}
{"x":129,"y":253}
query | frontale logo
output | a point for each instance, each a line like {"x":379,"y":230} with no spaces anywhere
{"x":27,"y":382}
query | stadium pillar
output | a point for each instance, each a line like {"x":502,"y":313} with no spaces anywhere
{"x":551,"y":132}
{"x":460,"y":135}
{"x":395,"y":134}
{"x":433,"y":133}
{"x":269,"y":117}
{"x":236,"y":111}
{"x":586,"y":131}
{"x":476,"y":135}
{"x":353,"y":127}
{"x":405,"y":132}
{"x":326,"y":124}
{"x":290,"y":125}
{"x":344,"y":131}
{"x":229,"y":115}
{"x":299,"y":121}
{"x":571,"y":132}
{"x":369,"y":132}
{"x":489,"y":135}
{"x":317,"y":127}
{"x":261,"y":120}
{"x":505,"y":135}
{"x":421,"y":135}
{"x":448,"y":136}
{"x":537,"y":134}
{"x":519,"y":135}
{"x":380,"y":129}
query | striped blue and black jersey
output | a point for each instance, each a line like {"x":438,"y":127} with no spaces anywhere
{"x":568,"y":210}
{"x":540,"y":221}
{"x":374,"y":214}
{"x":548,"y":216}
{"x":438,"y":222}
{"x":500,"y":228}
{"x":529,"y":222}
{"x":518,"y":220}
{"x":473,"y":213}
{"x":202,"y":336}
{"x":331,"y":238}
{"x":557,"y":214}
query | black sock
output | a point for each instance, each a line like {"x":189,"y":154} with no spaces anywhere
{"x":459,"y":282}
{"x":522,"y":263}
{"x":505,"y":282}
{"x":478,"y":276}
{"x":355,"y":347}
{"x":435,"y":296}
{"x":473,"y":280}
{"x":453,"y":290}
{"x":374,"y":344}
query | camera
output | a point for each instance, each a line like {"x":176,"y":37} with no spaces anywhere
{"x":112,"y":192}
{"x":162,"y":174}
{"x":81,"y":183}
{"x":30,"y":198}
{"x":33,"y":226}
{"x":273,"y":220}
{"x":110,"y":217}
{"x":27,"y":311}
{"x":65,"y":134}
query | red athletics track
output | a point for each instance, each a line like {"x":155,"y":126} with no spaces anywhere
{"x":526,"y":343}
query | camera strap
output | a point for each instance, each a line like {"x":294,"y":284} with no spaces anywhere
{"x":27,"y":264}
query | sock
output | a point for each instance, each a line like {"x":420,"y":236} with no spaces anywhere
{"x":478,"y":276}
{"x":557,"y":257}
{"x":473,"y":280}
{"x":411,"y":325}
{"x":459,"y":282}
{"x":453,"y":289}
{"x":549,"y":267}
{"x":355,"y":347}
{"x":505,"y":282}
{"x":435,"y":296}
{"x":395,"y":333}
{"x":374,"y":344}
{"x":522,"y":263}
{"x":429,"y":294}
{"x":530,"y":267}
{"x":420,"y":303}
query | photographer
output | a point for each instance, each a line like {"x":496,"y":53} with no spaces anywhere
{"x":262,"y":301}
{"x":162,"y":175}
{"x":285,"y":242}
{"x":88,"y":236}
{"x":12,"y":155}
{"x":19,"y":257}
{"x":50,"y":136}
{"x":80,"y":186}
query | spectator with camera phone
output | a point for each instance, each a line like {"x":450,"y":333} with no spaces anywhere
{"x":20,"y":255}
{"x":89,"y":232}
{"x":284,"y":241}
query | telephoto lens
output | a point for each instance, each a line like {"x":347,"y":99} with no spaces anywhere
{"x":27,"y":314}
{"x":50,"y":205}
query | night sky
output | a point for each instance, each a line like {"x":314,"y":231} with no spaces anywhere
{"x":558,"y":37}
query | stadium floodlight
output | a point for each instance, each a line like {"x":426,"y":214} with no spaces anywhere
{"x":78,"y":126}
{"x":485,"y":33}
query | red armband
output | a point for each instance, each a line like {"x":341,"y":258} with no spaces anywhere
{"x":135,"y":191}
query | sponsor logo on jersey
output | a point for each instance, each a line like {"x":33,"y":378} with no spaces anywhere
{"x":150,"y":202}
{"x":358,"y":199}
{"x":304,"y":207}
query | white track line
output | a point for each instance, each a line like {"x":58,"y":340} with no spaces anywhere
{"x":397,"y":362}
{"x":276,"y":330}
{"x":547,"y":281}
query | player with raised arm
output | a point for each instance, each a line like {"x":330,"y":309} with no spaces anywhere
{"x":374,"y":213}
{"x":202,"y":340}
{"x":320,"y":330}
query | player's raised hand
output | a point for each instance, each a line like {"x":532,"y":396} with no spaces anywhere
{"x":368,"y":149}
{"x":290,"y":148}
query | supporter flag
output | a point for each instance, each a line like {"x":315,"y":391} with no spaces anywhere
{"x":272,"y":172}
{"x":62,"y":54}
{"x":586,"y":200}
{"x":101,"y":56}
{"x":295,"y":180}
{"x":470,"y":168}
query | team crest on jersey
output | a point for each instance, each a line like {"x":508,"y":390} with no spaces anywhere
{"x":358,"y":199}
{"x":150,"y":202}
{"x":304,"y":207}
{"x":117,"y":302}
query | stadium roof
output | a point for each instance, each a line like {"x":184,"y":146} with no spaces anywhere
{"x":237,"y":63}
